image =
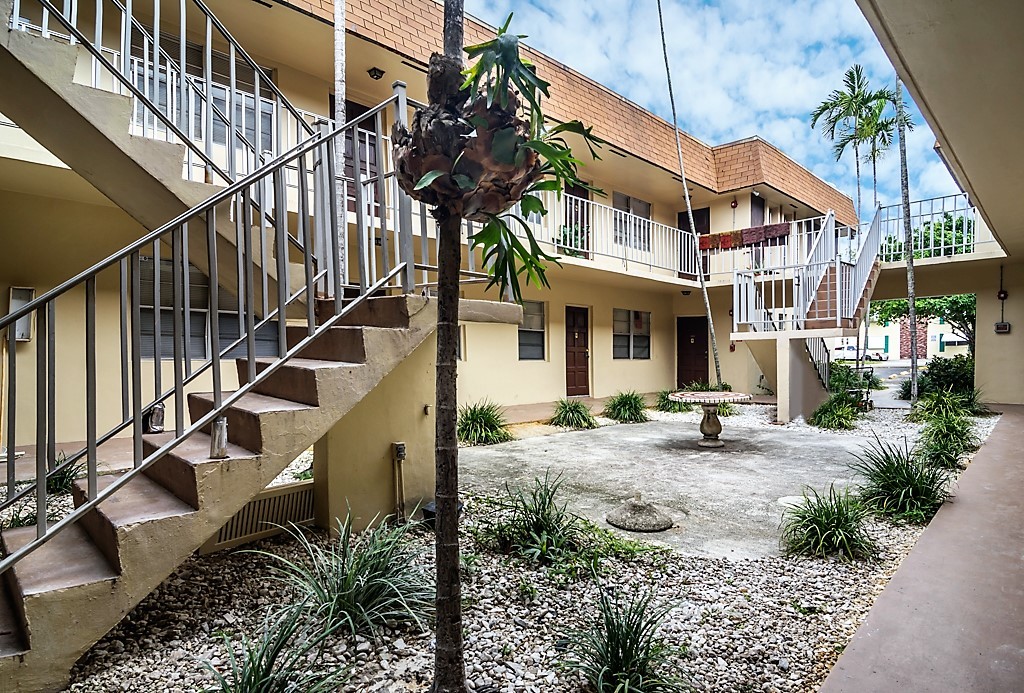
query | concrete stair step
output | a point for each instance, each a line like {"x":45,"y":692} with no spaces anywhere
{"x":296,"y":380}
{"x":179,"y":471}
{"x":244,"y":415}
{"x":69,"y":560}
{"x":383,"y":311}
{"x":12,"y":631}
{"x":336,"y":344}
{"x":139,"y":501}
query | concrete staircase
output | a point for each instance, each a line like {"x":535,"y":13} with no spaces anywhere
{"x":62,"y":598}
{"x":825,"y":302}
{"x":89,"y":129}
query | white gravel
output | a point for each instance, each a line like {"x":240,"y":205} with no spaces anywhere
{"x":296,"y":470}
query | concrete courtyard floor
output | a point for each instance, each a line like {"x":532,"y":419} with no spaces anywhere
{"x":725,"y":502}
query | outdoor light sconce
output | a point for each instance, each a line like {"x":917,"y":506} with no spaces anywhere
{"x":375,"y":73}
{"x":734,"y":204}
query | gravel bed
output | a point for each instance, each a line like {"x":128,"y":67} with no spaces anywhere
{"x":295,"y":470}
{"x":770,"y":624}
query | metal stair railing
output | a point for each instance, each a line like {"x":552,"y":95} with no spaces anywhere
{"x":860,"y":270}
{"x":169,"y":102}
{"x":817,"y":350}
{"x":130,"y":405}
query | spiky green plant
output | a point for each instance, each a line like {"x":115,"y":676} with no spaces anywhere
{"x":946,"y":439}
{"x":62,"y":479}
{"x":357,"y":584}
{"x":533,"y":524}
{"x":626,"y":407}
{"x":945,"y":403}
{"x":697,"y":386}
{"x":281,"y":658}
{"x":899,"y":485}
{"x":838,"y":413}
{"x":727,"y":409}
{"x":666,"y":404}
{"x":827,"y":524}
{"x":573,"y":413}
{"x":483,"y":423}
{"x":622,"y":652}
{"x":21,"y":514}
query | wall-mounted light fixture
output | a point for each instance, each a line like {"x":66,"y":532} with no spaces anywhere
{"x":734,"y":204}
{"x":375,"y":73}
{"x":685,"y":292}
{"x":756,"y":194}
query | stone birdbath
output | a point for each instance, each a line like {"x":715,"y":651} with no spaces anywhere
{"x":710,"y":425}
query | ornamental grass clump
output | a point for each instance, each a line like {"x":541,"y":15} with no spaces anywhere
{"x":626,"y":407}
{"x":829,"y":524}
{"x":573,"y":413}
{"x":727,"y":409}
{"x":483,"y":423}
{"x":946,"y":439}
{"x":283,"y":657}
{"x":357,"y":584}
{"x":898,"y":485}
{"x":666,"y":404}
{"x":622,"y":652}
{"x":62,"y":479}
{"x":838,"y":413}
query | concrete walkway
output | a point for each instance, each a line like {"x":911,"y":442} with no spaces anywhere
{"x":952,"y":618}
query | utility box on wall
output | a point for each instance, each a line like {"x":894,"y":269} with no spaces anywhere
{"x":1002,"y":328}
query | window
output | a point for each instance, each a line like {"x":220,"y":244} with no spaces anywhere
{"x":197,"y":315}
{"x":531,"y":332}
{"x":632,"y":221}
{"x":631,"y":334}
{"x":229,"y":327}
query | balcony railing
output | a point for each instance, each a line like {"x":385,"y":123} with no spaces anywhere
{"x":940,"y":227}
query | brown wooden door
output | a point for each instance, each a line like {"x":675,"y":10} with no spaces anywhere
{"x":691,"y":350}
{"x":577,"y":351}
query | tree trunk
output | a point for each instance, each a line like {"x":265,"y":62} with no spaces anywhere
{"x":339,"y":151}
{"x":874,"y":174}
{"x":908,"y":245}
{"x":689,"y":208}
{"x":449,"y":658}
{"x":856,"y":160}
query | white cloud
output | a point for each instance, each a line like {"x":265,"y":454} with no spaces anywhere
{"x":740,"y":68}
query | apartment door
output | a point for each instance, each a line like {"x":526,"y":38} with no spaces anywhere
{"x":702,"y":224}
{"x":577,"y":351}
{"x":691,"y":350}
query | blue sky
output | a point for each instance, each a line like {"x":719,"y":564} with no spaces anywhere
{"x":739,"y":68}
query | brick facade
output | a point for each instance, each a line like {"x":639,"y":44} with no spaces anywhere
{"x":922,"y":339}
{"x":412,"y":28}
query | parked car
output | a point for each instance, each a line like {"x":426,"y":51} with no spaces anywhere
{"x":848,"y":352}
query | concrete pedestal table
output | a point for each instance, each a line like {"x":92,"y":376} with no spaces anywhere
{"x":710,"y":425}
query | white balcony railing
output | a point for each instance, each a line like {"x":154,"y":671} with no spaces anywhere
{"x":940,"y":227}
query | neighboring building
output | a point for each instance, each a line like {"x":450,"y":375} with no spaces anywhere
{"x":892,"y":339}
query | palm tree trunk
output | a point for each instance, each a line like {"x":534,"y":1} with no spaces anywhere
{"x":856,"y":163}
{"x":339,"y":119}
{"x":449,"y":658}
{"x":689,"y":208}
{"x":874,"y":173}
{"x":908,"y":244}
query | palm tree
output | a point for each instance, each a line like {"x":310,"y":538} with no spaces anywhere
{"x":686,"y":195}
{"x":469,"y":154}
{"x":339,"y":119}
{"x":841,"y":114}
{"x":908,"y":246}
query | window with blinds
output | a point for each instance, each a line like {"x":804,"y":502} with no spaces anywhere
{"x":531,"y":332}
{"x":631,"y":334}
{"x":633,"y":222}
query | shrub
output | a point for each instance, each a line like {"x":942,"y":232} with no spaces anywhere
{"x":573,"y":413}
{"x":279,"y":658}
{"x":955,"y":374}
{"x":924,"y":386}
{"x":842,"y":378}
{"x":670,"y":405}
{"x":622,"y":651}
{"x":483,"y":423}
{"x":946,"y":439}
{"x":357,"y":584}
{"x":62,"y":479}
{"x":827,"y":524}
{"x":940,"y":404}
{"x":626,"y":407}
{"x":697,"y":386}
{"x":898,"y":485}
{"x":838,"y":413}
{"x":534,"y":525}
{"x":728,"y":409}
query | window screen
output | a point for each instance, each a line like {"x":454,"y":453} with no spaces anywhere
{"x":531,"y":332}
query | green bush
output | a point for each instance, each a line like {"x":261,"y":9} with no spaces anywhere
{"x":842,"y":378}
{"x":622,"y":651}
{"x":827,"y":524}
{"x":357,"y":584}
{"x":573,"y":413}
{"x":626,"y":407}
{"x":838,"y":413}
{"x":483,"y":423}
{"x":899,"y":485}
{"x":697,"y":386}
{"x":534,"y":525}
{"x":946,"y":439}
{"x":728,"y":409}
{"x":671,"y":406}
{"x":953,"y":374}
{"x":940,"y":404}
{"x":924,"y":386}
{"x":281,"y":658}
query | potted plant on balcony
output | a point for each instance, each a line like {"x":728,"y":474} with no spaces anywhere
{"x":572,"y":240}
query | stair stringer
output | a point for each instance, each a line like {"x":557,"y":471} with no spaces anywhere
{"x":63,"y":624}
{"x":89,"y":129}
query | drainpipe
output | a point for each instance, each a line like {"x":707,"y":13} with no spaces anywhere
{"x":398,"y":453}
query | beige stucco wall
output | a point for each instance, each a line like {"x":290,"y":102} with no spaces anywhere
{"x":352,"y":464}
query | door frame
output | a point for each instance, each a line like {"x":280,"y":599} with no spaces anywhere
{"x":590,"y":349}
{"x":675,"y":339}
